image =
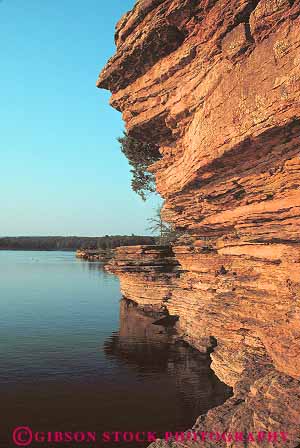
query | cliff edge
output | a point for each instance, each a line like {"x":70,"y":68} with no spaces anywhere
{"x":216,"y":84}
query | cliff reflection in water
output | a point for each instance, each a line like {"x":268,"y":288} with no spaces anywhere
{"x":154,"y":354}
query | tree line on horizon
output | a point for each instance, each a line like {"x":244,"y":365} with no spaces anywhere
{"x":72,"y":243}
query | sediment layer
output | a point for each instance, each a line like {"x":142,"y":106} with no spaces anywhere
{"x":216,"y":84}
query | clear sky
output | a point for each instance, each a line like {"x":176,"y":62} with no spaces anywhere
{"x":62,"y":172}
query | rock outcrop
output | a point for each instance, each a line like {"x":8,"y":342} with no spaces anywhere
{"x":147,"y":274}
{"x":216,"y":84}
{"x":95,"y":254}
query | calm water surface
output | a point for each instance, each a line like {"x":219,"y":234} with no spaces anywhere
{"x":75,"y":358}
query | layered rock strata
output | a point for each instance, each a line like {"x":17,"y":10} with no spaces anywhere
{"x":146,"y":273}
{"x":216,"y":84}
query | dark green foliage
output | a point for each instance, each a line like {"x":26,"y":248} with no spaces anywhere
{"x":140,"y":156}
{"x":71,"y":243}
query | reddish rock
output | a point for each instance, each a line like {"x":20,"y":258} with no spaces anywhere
{"x":146,"y":273}
{"x":236,"y":41}
{"x":216,"y":84}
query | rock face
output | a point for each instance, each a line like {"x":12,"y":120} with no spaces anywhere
{"x":147,"y":274}
{"x":216,"y":84}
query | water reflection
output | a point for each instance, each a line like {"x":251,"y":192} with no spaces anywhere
{"x":65,"y":367}
{"x":152,"y":352}
{"x":94,"y":267}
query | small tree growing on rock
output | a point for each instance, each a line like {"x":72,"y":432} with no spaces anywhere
{"x":166,"y":233}
{"x":140,"y":156}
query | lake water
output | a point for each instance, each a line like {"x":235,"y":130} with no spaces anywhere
{"x":75,"y":358}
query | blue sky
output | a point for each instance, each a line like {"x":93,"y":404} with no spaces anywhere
{"x":62,"y":172}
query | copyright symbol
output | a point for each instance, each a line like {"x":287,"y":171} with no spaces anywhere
{"x":22,"y":436}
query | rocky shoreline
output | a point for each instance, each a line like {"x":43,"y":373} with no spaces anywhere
{"x":216,"y":85}
{"x":265,"y":399}
{"x":95,"y":254}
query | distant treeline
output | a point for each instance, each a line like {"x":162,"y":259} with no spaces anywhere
{"x":70,"y":243}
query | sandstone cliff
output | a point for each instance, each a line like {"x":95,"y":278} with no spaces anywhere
{"x":216,"y":84}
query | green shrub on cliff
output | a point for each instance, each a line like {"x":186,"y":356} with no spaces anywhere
{"x":140,"y":156}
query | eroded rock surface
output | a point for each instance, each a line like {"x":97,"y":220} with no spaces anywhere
{"x":216,"y":84}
